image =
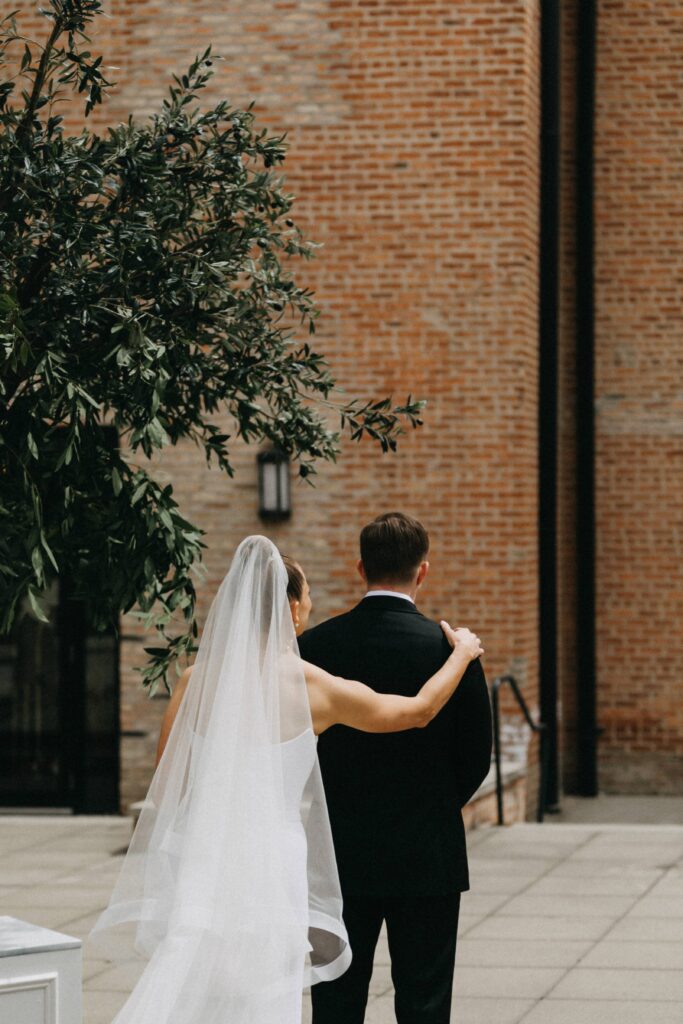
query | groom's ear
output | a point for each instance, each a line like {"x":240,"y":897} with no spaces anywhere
{"x":422,"y":573}
{"x":361,"y":570}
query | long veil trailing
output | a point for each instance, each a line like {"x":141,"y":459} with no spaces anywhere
{"x":208,"y":876}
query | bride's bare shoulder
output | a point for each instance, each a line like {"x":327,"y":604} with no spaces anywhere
{"x":182,"y":682}
{"x":317,"y":679}
{"x":316,"y":676}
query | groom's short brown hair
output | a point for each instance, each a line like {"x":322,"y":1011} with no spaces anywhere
{"x":392,"y":547}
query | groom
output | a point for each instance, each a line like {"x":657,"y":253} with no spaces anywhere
{"x":395,"y":799}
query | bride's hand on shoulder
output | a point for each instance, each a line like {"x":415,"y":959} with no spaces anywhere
{"x":463,"y":640}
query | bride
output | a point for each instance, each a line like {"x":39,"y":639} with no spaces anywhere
{"x":230,"y":877}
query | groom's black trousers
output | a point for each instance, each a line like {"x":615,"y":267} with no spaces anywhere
{"x":422,"y":933}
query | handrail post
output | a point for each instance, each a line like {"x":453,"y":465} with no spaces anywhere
{"x":538,"y":727}
{"x":496,"y":752}
{"x":541,"y":782}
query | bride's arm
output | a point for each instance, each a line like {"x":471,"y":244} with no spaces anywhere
{"x":336,"y":701}
{"x":171,"y":711}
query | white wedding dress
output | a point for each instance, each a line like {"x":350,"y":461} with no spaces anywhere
{"x":299,"y":757}
{"x":230,"y":877}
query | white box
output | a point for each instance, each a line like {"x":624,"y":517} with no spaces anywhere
{"x":41,"y":975}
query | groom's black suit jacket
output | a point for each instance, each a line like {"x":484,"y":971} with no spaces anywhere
{"x":394,"y":798}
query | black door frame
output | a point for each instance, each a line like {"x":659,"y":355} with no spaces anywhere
{"x":587,"y":731}
{"x":587,"y":776}
{"x":548,"y":385}
{"x":71,"y":792}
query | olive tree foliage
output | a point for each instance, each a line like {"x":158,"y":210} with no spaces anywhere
{"x":145,"y":285}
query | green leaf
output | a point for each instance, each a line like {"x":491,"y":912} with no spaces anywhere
{"x":37,"y":563}
{"x":36,"y":606}
{"x":84,"y":394}
{"x":165,"y":517}
{"x":139,"y":492}
{"x":48,"y":550}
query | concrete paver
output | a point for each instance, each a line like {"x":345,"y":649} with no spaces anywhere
{"x":554,"y":884}
{"x":635,"y":955}
{"x":658,"y":906}
{"x":533,"y":905}
{"x":609,"y":983}
{"x":526,"y":865}
{"x":508,"y":953}
{"x":506,"y":982}
{"x":485,"y":883}
{"x":622,"y":810}
{"x":565,"y":924}
{"x":481,"y":904}
{"x":670,"y":885}
{"x":488,"y":1011}
{"x":602,"y":1011}
{"x":521,"y":927}
{"x":101,"y":1007}
{"x":468,"y":922}
{"x":648,"y":929}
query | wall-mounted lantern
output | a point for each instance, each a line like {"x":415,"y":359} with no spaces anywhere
{"x":274,"y":485}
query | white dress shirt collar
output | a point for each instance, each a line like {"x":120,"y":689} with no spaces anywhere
{"x":389,"y":593}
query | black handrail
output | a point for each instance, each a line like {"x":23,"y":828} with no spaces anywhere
{"x":538,"y":727}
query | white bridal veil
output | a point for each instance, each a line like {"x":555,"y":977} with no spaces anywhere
{"x":210,"y":878}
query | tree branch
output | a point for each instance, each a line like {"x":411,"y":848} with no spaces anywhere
{"x":39,"y":80}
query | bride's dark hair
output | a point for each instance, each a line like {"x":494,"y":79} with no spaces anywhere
{"x":295,"y":579}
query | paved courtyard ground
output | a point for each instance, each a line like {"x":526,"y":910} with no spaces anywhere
{"x":566,"y":923}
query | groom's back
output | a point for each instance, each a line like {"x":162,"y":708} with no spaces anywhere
{"x":395,"y":798}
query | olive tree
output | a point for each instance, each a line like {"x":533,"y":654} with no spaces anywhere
{"x":146,"y":286}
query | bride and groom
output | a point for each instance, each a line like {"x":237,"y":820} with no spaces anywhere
{"x":254,"y":829}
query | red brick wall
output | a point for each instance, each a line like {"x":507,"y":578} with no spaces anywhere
{"x":413,"y":129}
{"x":639,"y":392}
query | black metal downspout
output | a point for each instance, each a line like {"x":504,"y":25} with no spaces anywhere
{"x":587,"y":780}
{"x":548,"y":383}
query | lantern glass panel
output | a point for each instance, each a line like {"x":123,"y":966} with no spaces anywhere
{"x":269,"y":483}
{"x":283,"y":490}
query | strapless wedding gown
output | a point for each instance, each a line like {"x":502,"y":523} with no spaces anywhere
{"x":299,"y":756}
{"x":282,"y":1004}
